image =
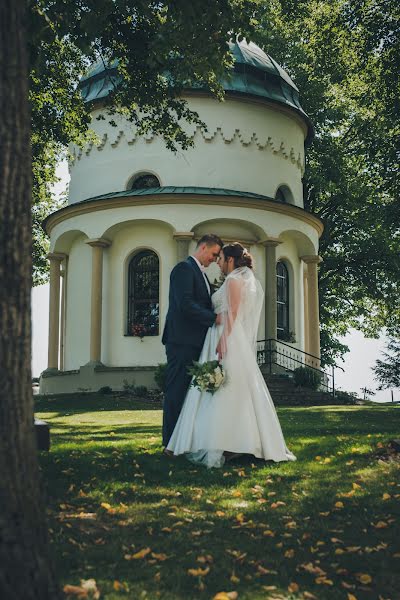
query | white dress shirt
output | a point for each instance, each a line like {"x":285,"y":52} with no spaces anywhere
{"x":202,"y":269}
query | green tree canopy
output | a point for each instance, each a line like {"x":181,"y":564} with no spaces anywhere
{"x":160,"y":48}
{"x":344,"y":56}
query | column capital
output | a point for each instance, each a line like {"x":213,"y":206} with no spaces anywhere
{"x":270,"y":241}
{"x":56,"y":256}
{"x":310,"y":259}
{"x":183,"y":235}
{"x":99,"y":243}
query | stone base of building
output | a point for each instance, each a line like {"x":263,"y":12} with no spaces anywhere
{"x":92,"y":377}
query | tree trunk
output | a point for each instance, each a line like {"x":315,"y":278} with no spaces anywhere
{"x":25,"y":571}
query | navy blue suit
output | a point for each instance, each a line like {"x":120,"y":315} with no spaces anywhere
{"x":189,"y":316}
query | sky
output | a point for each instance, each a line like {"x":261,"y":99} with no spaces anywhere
{"x":357,"y":363}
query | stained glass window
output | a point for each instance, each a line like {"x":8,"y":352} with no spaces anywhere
{"x":143,"y":294}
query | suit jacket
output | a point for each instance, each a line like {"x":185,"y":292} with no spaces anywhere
{"x":190,"y":311}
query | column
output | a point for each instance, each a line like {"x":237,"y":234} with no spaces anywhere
{"x":183,"y":239}
{"x":305,"y":308}
{"x":312,"y":263}
{"x":270,"y":287}
{"x":98,"y":246}
{"x":55,"y":259}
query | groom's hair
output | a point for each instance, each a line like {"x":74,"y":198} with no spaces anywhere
{"x":210,"y":240}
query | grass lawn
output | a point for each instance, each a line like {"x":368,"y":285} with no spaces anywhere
{"x":148,"y":527}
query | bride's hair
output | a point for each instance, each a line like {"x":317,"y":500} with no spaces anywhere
{"x":240,"y":255}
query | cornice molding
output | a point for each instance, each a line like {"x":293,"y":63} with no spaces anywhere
{"x":267,"y":144}
{"x":78,"y":209}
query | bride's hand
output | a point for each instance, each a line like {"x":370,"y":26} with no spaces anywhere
{"x":221,"y":348}
{"x":218,"y":320}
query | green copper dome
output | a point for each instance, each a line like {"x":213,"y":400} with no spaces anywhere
{"x":255,"y":73}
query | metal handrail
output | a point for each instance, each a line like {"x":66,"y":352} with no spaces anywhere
{"x":283,"y":360}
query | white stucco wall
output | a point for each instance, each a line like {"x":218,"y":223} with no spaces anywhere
{"x":128,"y":235}
{"x":249,"y":146}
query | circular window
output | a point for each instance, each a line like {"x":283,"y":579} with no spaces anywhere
{"x":145,"y":181}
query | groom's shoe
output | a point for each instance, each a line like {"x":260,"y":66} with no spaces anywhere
{"x":168,"y":452}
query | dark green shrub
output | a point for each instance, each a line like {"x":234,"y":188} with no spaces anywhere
{"x":141,"y":390}
{"x":105,"y":390}
{"x":159,"y":376}
{"x":307,"y":377}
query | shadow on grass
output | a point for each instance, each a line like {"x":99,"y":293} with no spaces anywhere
{"x":254,"y":524}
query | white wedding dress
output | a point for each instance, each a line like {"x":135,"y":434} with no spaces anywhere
{"x":240,"y":417}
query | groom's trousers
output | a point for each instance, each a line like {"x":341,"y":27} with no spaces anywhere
{"x":177,"y":380}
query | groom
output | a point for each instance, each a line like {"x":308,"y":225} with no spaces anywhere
{"x":189,"y":316}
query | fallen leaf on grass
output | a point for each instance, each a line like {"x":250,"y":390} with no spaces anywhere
{"x":323,"y":581}
{"x":364,"y":578}
{"x":160,"y":556}
{"x":339,"y":505}
{"x":293,"y":587}
{"x":309,"y":596}
{"x":198,"y":572}
{"x":120,"y":587}
{"x":351,"y":597}
{"x":380,"y":525}
{"x":386,"y":496}
{"x":226,"y":596}
{"x":138,"y":555}
{"x":87,"y":589}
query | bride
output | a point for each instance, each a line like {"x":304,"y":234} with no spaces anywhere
{"x":240,"y":417}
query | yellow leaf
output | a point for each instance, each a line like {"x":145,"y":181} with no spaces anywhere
{"x":350,"y":462}
{"x":386,"y":496}
{"x":351,"y":597}
{"x":339,"y":551}
{"x":226,"y":596}
{"x":141,"y":554}
{"x":234,"y":579}
{"x":269,"y":533}
{"x":268,"y":588}
{"x":339,"y":505}
{"x":236,"y":493}
{"x":220,"y":513}
{"x":380,"y":525}
{"x":105,"y":505}
{"x":318,"y":457}
{"x":159,"y":556}
{"x":289,"y":553}
{"x":364,"y":578}
{"x":309,"y":596}
{"x":293,"y":587}
{"x":323,"y":580}
{"x":198,"y":572}
{"x":356,"y":486}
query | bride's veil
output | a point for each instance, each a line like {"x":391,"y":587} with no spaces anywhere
{"x":244,"y":299}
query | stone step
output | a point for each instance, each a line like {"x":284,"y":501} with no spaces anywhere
{"x":284,"y":392}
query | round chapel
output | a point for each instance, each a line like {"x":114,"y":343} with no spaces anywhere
{"x":135,"y":209}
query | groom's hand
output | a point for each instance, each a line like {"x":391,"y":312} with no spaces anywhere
{"x":218,"y":320}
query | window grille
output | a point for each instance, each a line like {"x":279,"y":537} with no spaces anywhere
{"x":143,"y":294}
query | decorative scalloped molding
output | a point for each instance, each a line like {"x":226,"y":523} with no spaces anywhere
{"x":208,"y":137}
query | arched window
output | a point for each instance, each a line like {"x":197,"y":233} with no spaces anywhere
{"x":284,"y":194}
{"x":144,"y":181}
{"x":280,"y":196}
{"x":143,"y":294}
{"x":282,"y":300}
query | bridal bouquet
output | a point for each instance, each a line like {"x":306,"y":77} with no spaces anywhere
{"x":208,"y":376}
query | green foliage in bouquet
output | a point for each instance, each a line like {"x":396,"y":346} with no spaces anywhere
{"x":208,"y":376}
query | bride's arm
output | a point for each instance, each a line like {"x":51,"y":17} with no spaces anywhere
{"x":233,"y":292}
